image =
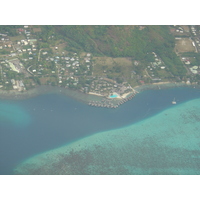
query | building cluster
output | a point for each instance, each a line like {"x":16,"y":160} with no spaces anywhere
{"x":154,"y":66}
{"x":196,"y":42}
{"x":5,"y":43}
{"x":179,"y":29}
{"x":5,"y":79}
{"x":194,"y":31}
{"x":102,"y":87}
{"x":70,"y":68}
{"x":18,"y":85}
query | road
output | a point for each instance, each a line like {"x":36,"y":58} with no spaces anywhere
{"x":39,"y":54}
{"x":29,"y":70}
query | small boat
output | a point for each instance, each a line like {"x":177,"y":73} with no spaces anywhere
{"x":174,"y":102}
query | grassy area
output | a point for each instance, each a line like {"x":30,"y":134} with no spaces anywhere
{"x":61,"y":47}
{"x":184,"y":45}
{"x":163,"y":73}
{"x":17,"y":38}
{"x":45,"y":80}
{"x":108,"y":63}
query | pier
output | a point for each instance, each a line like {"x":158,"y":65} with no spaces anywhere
{"x":111,"y":103}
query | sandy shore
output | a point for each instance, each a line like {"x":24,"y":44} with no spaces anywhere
{"x":126,"y":95}
{"x":160,"y":83}
{"x":93,"y":93}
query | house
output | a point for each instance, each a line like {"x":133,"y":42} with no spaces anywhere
{"x":76,"y":79}
{"x":13,"y":54}
{"x":21,"y":84}
{"x":187,"y":62}
{"x":15,"y":87}
{"x":142,"y":82}
{"x":20,"y":29}
{"x":13,"y":81}
{"x":25,"y":42}
{"x":195,"y":67}
{"x":193,"y":71}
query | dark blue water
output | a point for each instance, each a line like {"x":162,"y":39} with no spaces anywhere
{"x":49,"y":121}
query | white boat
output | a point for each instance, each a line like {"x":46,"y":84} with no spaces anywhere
{"x":174,"y":102}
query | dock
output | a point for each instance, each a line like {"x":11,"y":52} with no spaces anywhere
{"x":109,"y":103}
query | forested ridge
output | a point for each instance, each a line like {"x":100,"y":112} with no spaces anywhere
{"x":122,"y":41}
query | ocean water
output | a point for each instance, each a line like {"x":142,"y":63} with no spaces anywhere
{"x":30,"y":127}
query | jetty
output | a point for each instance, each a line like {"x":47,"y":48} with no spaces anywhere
{"x":111,"y":103}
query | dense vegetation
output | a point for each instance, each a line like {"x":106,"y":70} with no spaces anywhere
{"x":121,"y":41}
{"x":10,"y":30}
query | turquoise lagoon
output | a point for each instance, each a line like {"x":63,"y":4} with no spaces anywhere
{"x":147,"y":135}
{"x":167,"y":143}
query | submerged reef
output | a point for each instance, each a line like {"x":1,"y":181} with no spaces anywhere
{"x":166,"y":143}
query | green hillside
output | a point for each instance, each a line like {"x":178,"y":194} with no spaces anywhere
{"x":123,"y":41}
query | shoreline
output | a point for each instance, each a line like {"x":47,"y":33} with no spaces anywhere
{"x":83,"y":97}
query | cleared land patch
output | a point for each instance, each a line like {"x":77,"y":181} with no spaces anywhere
{"x":104,"y":64}
{"x":184,"y":45}
{"x":186,"y":28}
{"x":35,"y":30}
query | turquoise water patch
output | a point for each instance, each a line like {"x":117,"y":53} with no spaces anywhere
{"x":167,"y":143}
{"x":14,"y":114}
{"x":113,"y":96}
